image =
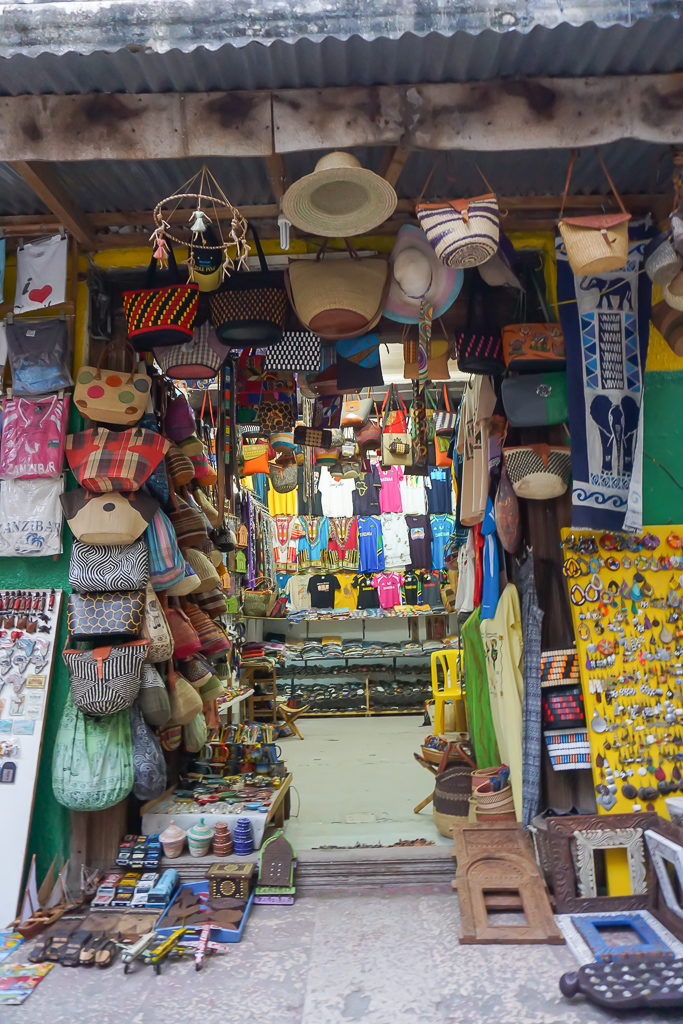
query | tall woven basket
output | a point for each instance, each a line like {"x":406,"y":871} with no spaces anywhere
{"x":452,"y":791}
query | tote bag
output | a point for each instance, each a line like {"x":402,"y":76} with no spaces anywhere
{"x":103,"y":460}
{"x":160,"y":316}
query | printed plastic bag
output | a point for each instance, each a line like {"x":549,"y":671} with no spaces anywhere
{"x":92,"y":762}
{"x":31,"y":517}
{"x":38,"y":356}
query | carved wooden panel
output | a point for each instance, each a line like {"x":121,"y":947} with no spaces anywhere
{"x":564,"y":870}
{"x":657,"y":903}
{"x":473,"y":840}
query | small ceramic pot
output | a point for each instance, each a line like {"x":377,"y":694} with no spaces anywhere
{"x":222,"y":840}
{"x":242,"y":838}
{"x":199,"y":839}
{"x":173,"y":840}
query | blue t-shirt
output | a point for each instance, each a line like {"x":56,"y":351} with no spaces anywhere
{"x":442,"y":528}
{"x":370,"y":544}
{"x":439,"y":494}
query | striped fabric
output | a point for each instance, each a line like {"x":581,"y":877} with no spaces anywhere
{"x":107,"y":679}
{"x":94,"y":567}
{"x":104,"y":460}
{"x":151,"y":310}
{"x":462,"y":233}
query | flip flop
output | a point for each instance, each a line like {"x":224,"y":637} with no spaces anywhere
{"x":86,"y":957}
{"x":71,"y":954}
{"x":60,"y":937}
{"x":41,"y":945}
{"x":107,"y":951}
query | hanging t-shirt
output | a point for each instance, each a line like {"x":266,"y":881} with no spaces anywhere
{"x":388,"y":586}
{"x":490,"y":581}
{"x":478,"y":404}
{"x":430,"y":591}
{"x":439,"y":491}
{"x":313,"y":541}
{"x":337,"y":494}
{"x":287,"y":530}
{"x":442,"y":528}
{"x":464,"y":597}
{"x":321,"y":587}
{"x":413,"y":495}
{"x":411,"y":588}
{"x":479,"y":720}
{"x":390,"y":492}
{"x":346,"y":596}
{"x":367,"y":594}
{"x":502,"y":638}
{"x":282,"y":504}
{"x":317,"y":498}
{"x":298,"y":597}
{"x":366,"y":494}
{"x":396,"y":540}
{"x":342,"y":544}
{"x":370,"y":544}
{"x":420,"y":534}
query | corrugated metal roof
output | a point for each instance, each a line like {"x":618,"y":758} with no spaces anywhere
{"x":649,"y":45}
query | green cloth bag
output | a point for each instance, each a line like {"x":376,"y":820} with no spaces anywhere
{"x":479,"y":720}
{"x":92,"y":762}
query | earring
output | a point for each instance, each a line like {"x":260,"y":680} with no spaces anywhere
{"x":577,"y":596}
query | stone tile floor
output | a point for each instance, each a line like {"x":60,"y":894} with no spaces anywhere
{"x":380,"y":957}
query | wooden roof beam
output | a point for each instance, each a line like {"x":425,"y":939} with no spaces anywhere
{"x":275,"y":164}
{"x":42,"y":178}
{"x":393,"y":163}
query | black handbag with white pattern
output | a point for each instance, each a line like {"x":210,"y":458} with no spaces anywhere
{"x":95,"y":568}
{"x":297,"y":350}
{"x":107,"y":679}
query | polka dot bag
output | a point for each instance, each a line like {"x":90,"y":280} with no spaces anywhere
{"x":111,"y":396}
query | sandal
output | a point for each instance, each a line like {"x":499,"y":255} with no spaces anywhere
{"x":41,"y":944}
{"x":107,"y":951}
{"x":88,"y":951}
{"x":72,"y":951}
{"x":60,"y":937}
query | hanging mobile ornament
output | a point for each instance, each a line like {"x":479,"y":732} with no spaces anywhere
{"x":199,"y":222}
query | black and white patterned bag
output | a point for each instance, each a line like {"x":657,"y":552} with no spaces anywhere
{"x":106,"y":679}
{"x":538,"y":471}
{"x":95,"y":568}
{"x":298,"y":350}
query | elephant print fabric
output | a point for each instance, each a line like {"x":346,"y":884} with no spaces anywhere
{"x":605,"y":320}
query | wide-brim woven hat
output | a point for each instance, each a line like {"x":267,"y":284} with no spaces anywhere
{"x":417,"y":274}
{"x":672,"y":293}
{"x":339,"y":198}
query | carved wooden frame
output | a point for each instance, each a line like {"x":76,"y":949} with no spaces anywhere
{"x":590,"y":840}
{"x":564,"y":873}
{"x":657,"y":902}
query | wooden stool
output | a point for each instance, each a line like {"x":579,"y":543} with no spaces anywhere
{"x":290,"y":715}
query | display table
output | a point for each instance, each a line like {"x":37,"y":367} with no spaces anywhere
{"x":157,"y":814}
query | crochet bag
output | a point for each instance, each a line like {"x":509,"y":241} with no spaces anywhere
{"x":185,"y":639}
{"x":103,"y":460}
{"x":109,"y":567}
{"x":179,"y":419}
{"x":110,"y":396}
{"x":250,"y":308}
{"x":462,"y":232}
{"x":107,"y":679}
{"x":153,"y":697}
{"x":538,"y":471}
{"x":598,"y":243}
{"x":160,"y":316}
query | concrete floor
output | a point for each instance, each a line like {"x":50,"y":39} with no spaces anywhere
{"x":356,"y":781}
{"x":370,"y":958}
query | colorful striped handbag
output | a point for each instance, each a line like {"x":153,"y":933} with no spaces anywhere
{"x":166,"y":563}
{"x":462,"y":232}
{"x":160,"y":316}
{"x":103,"y":460}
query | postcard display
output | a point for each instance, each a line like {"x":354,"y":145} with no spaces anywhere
{"x":627,"y":609}
{"x":30,"y":621}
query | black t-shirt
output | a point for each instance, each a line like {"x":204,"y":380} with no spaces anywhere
{"x":411,"y":588}
{"x":431,"y":591}
{"x":367,"y":594}
{"x":420,"y":537}
{"x":366,"y":494}
{"x":439,"y":494}
{"x":321,"y":588}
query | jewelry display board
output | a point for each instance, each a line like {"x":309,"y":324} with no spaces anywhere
{"x":626,"y":593}
{"x":28,"y":624}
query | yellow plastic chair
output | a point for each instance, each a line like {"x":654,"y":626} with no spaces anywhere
{"x":445,"y":686}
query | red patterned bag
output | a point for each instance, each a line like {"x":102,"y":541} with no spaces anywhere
{"x":160,"y":316}
{"x":104,"y":460}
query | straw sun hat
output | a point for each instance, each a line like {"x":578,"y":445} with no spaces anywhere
{"x":416,"y":274}
{"x":340,"y":198}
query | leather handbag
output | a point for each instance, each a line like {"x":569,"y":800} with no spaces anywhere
{"x":311,"y":437}
{"x":108,"y":567}
{"x":338,"y":298}
{"x":250,"y":308}
{"x":200,"y":358}
{"x":438,"y":354}
{"x":155,"y":629}
{"x":160,"y":316}
{"x":369,"y":436}
{"x":598,"y":243}
{"x":479,"y":348}
{"x":103,"y":460}
{"x":462,"y":232}
{"x":538,"y":471}
{"x":105,"y":616}
{"x":109,"y":519}
{"x":111,"y":396}
{"x":107,"y":679}
{"x":536,"y":400}
{"x":356,"y":410}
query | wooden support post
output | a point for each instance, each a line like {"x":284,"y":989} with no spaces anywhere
{"x":45,"y":183}
{"x":393,"y":163}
